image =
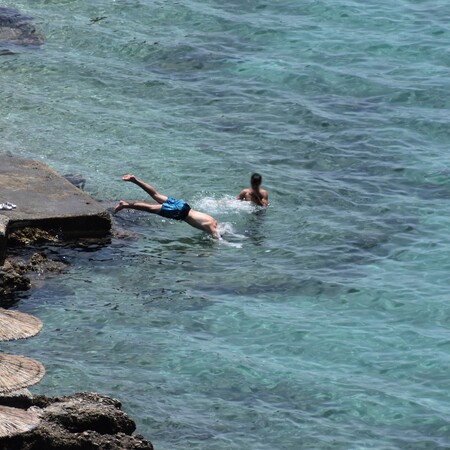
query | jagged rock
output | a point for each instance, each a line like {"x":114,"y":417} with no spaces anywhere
{"x":12,"y":280}
{"x":40,"y":263}
{"x":28,"y":235}
{"x":16,"y":30}
{"x":81,"y":421}
{"x":21,"y":398}
{"x":13,"y":274}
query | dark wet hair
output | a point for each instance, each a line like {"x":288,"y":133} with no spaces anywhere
{"x":256,"y":178}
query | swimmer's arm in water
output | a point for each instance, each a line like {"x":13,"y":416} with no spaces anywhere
{"x":261,"y":198}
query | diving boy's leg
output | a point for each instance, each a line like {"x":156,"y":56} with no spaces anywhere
{"x":140,"y":206}
{"x":147,"y":188}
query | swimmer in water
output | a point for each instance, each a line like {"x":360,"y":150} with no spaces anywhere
{"x":170,"y":208}
{"x":254,"y":193}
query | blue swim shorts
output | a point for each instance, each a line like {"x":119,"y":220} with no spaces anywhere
{"x":174,"y":209}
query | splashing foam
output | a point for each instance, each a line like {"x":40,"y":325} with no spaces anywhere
{"x":221,"y":207}
{"x":225,"y":205}
{"x":226,"y":229}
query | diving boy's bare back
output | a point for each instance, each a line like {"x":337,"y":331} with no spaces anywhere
{"x":170,"y":208}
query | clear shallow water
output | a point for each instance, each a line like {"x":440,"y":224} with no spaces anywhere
{"x":322,"y":322}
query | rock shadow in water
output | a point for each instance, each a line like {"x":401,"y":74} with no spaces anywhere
{"x":16,"y":32}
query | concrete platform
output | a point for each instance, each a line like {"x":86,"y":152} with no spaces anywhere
{"x":46,"y":200}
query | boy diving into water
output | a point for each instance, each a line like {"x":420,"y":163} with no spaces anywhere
{"x":170,"y":208}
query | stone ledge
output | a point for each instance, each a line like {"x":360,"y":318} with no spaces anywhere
{"x":46,"y":200}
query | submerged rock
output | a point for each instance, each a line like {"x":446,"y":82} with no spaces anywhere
{"x":76,"y":179}
{"x":40,"y":263}
{"x":16,"y":30}
{"x":81,"y":421}
{"x":12,"y":280}
{"x":14,"y":274}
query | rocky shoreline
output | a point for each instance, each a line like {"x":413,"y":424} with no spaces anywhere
{"x":18,"y":268}
{"x":81,"y":421}
{"x":52,"y":213}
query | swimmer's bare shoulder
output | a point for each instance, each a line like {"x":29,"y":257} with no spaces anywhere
{"x":245,"y":194}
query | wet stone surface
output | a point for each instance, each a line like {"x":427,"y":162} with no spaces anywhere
{"x":79,"y":421}
{"x":47,"y":203}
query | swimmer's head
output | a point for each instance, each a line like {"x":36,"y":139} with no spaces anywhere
{"x":256,"y":180}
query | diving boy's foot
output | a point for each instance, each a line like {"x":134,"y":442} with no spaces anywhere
{"x":121,"y":205}
{"x":131,"y":178}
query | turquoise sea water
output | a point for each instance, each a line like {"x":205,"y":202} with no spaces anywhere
{"x":320,"y":323}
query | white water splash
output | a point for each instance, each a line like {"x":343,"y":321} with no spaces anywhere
{"x":227,"y":229}
{"x":224,"y":205}
{"x":228,"y":235}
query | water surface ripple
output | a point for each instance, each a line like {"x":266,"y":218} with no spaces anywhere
{"x":321,"y":323}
